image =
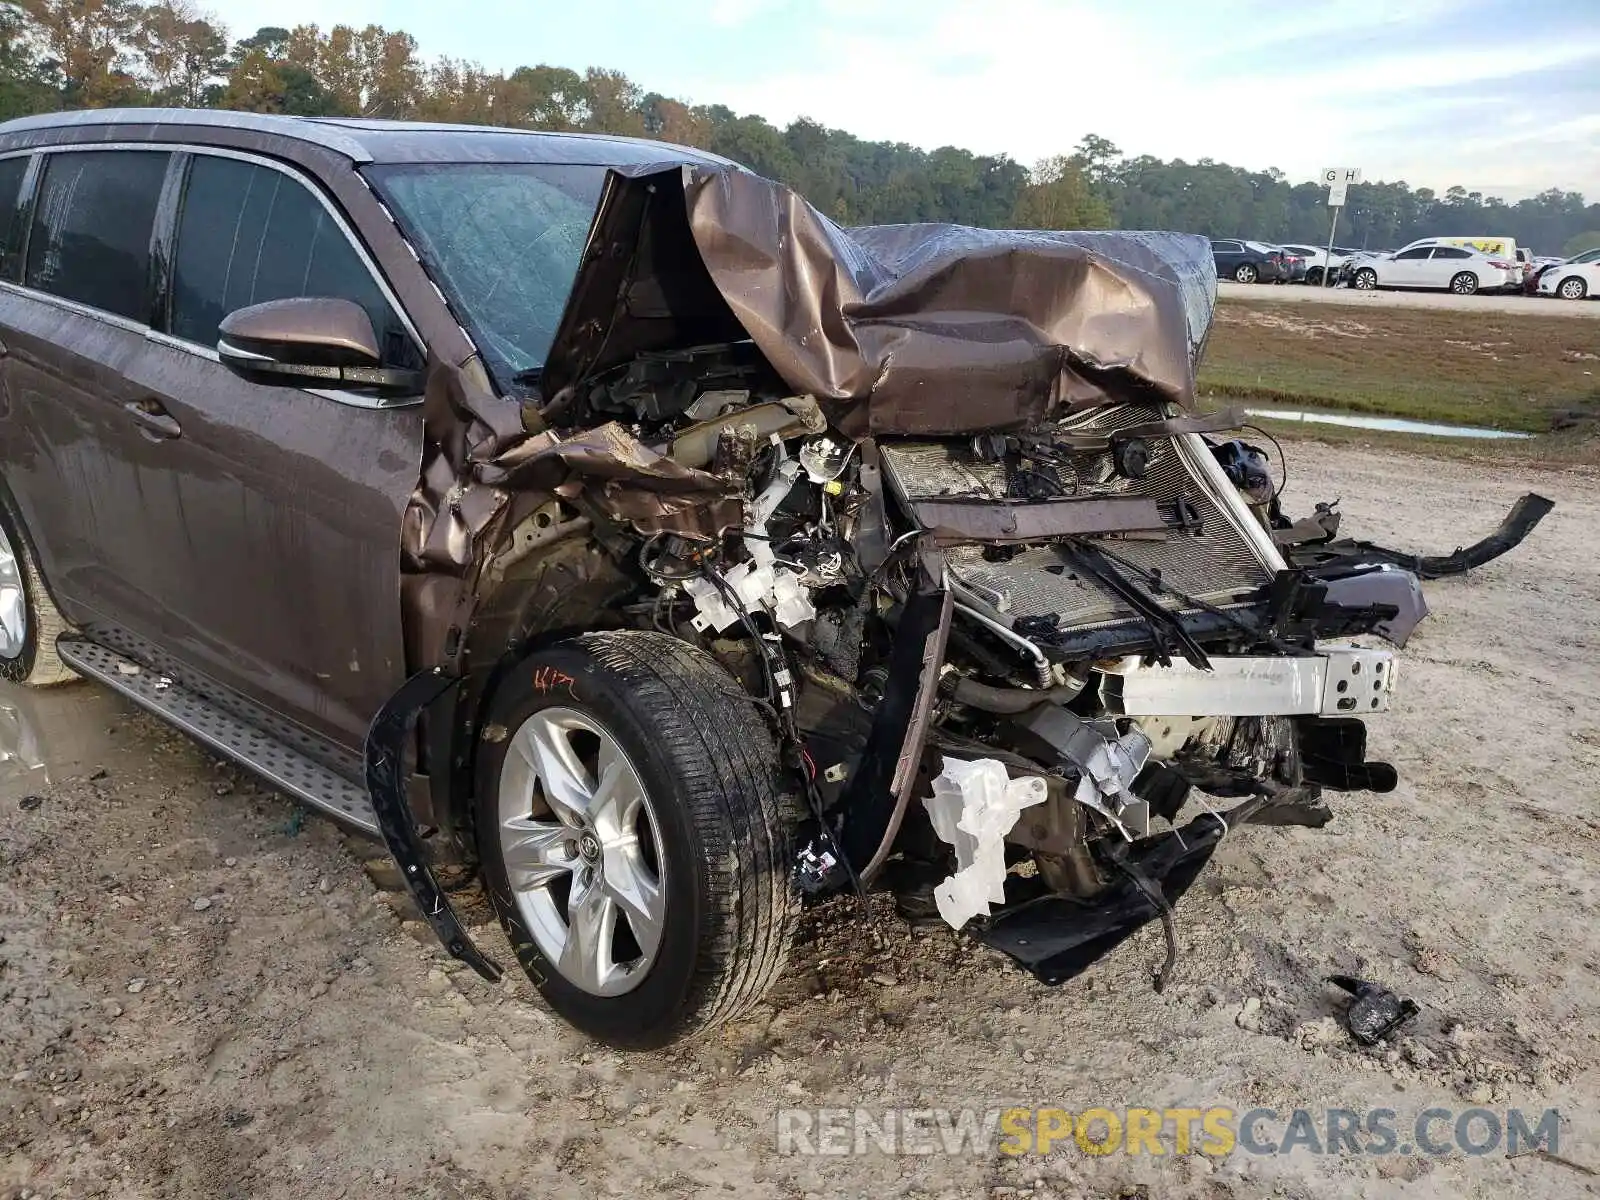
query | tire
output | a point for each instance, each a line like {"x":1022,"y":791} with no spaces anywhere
{"x":697,"y":880}
{"x":1367,"y":280}
{"x":1245,"y":273}
{"x":27,"y":655}
{"x":1465,"y":283}
{"x":1314,"y":277}
{"x":1572,"y":288}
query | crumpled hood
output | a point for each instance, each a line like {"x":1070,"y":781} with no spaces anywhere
{"x":897,"y":329}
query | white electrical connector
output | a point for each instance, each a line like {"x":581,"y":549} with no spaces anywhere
{"x":791,"y":604}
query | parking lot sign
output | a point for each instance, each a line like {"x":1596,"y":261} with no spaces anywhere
{"x":1340,"y":175}
{"x":1338,"y":180}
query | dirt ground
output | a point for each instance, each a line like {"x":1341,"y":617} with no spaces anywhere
{"x":1513,"y":302}
{"x":203,"y":993}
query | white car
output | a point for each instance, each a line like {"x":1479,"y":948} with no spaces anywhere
{"x":1317,"y":261}
{"x":1575,"y":279}
{"x":1449,"y":268}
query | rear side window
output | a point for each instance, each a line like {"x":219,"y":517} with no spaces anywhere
{"x":1451,"y":252}
{"x":90,"y":240}
{"x":1418,"y":252}
{"x":11,"y":172}
{"x":249,"y":234}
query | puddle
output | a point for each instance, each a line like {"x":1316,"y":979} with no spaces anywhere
{"x":1388,"y":424}
{"x":49,"y":734}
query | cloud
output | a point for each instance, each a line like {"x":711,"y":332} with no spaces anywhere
{"x":1256,"y":83}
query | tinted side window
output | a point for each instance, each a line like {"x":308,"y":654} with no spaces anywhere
{"x":11,"y":172}
{"x":248,"y":234}
{"x":1451,"y":252}
{"x":1419,"y":252}
{"x":91,"y":228}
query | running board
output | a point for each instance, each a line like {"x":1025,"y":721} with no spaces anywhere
{"x":284,"y":768}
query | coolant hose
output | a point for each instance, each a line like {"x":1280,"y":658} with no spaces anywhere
{"x":1009,"y":701}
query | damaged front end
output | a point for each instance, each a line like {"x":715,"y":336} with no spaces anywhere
{"x":1022,"y":622}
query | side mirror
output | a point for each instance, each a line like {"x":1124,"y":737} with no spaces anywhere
{"x":308,"y":342}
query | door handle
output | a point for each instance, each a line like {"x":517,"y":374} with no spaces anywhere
{"x":155,"y":422}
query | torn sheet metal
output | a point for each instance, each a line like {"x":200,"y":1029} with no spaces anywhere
{"x":909,"y":329}
{"x":973,"y":806}
{"x":1335,"y":681}
{"x":921,"y":329}
{"x":1107,"y":763}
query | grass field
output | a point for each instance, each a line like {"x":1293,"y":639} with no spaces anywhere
{"x":1509,"y":371}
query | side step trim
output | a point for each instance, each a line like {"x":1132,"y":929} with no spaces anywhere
{"x":286,"y":769}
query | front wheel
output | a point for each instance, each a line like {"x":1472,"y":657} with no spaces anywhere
{"x":1572,"y":289}
{"x":1464,"y":284}
{"x":1245,"y":273}
{"x":29,"y":621}
{"x":633,"y":836}
{"x":1367,"y":279}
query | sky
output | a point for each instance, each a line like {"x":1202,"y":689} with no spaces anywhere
{"x":1499,"y":96}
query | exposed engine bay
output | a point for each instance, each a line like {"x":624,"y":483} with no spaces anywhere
{"x":1079,"y":651}
{"x":1031,"y":632}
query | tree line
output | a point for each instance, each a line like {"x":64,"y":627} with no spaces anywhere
{"x":59,"y":54}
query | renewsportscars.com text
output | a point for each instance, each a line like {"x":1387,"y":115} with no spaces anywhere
{"x":1156,"y":1132}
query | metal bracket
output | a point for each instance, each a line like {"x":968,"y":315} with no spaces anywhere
{"x":384,"y":753}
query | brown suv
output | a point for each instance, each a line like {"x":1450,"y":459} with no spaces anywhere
{"x":596,"y":515}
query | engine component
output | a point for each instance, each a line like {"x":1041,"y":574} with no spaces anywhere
{"x":788,"y":418}
{"x":1011,"y":701}
{"x":1132,"y":457}
{"x":825,"y":458}
{"x":973,"y":806}
{"x":1247,"y":468}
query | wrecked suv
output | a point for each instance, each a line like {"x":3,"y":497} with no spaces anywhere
{"x":595,"y":516}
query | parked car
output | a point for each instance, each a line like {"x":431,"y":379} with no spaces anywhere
{"x":1318,"y":261}
{"x":492,"y":492}
{"x":1430,"y":265}
{"x":1577,"y":278}
{"x":1248,"y":262}
{"x":1535,"y":269}
{"x":1294,"y":265}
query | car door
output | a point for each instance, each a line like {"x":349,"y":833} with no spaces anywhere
{"x":1228,"y":255}
{"x":1449,"y":261}
{"x":1407,"y":268}
{"x":278,"y":509}
{"x":74,"y":311}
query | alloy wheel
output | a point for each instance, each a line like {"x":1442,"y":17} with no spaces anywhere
{"x":1367,"y":280}
{"x":13,"y":602}
{"x":581,"y":847}
{"x":1573,"y":289}
{"x":1464,"y":284}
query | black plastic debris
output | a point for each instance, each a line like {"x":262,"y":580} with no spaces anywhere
{"x":29,"y":803}
{"x":1058,"y":937}
{"x":1376,"y":1012}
